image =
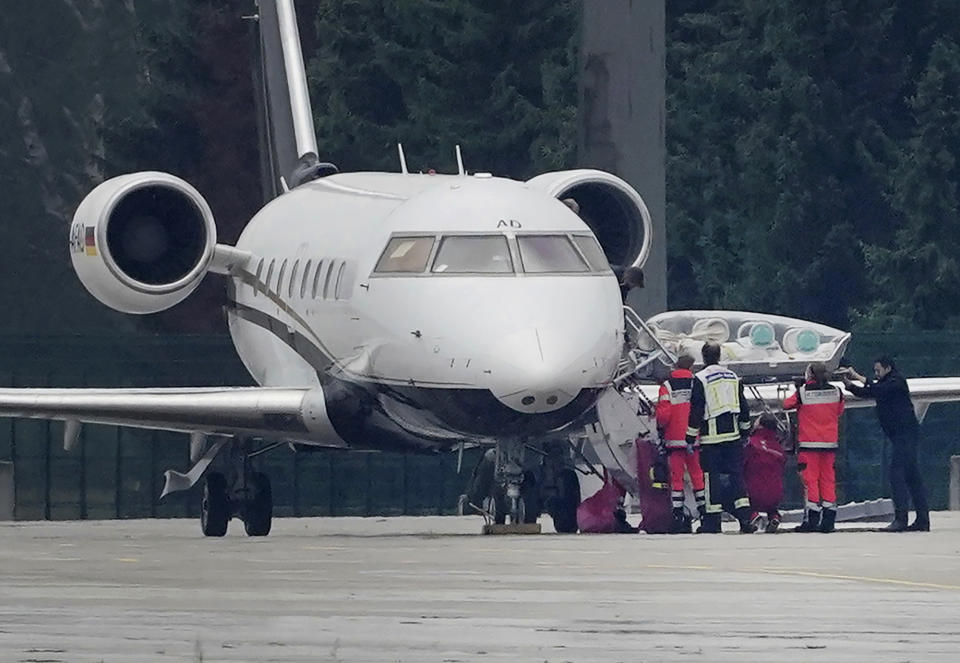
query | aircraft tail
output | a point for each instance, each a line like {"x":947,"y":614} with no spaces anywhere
{"x":288,"y":142}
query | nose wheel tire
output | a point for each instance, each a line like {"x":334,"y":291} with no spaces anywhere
{"x":258,"y":514}
{"x":214,"y":505}
{"x":563,"y":508}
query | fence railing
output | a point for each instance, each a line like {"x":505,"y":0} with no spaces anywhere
{"x":117,"y":473}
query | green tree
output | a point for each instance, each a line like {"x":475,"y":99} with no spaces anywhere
{"x":778,"y":115}
{"x":497,"y":78}
{"x":917,"y":275}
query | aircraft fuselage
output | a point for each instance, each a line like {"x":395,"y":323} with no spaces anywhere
{"x":491,"y":330}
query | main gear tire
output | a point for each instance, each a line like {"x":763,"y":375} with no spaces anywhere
{"x":258,"y":516}
{"x":214,"y":505}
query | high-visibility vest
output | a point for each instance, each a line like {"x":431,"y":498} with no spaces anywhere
{"x":717,"y":411}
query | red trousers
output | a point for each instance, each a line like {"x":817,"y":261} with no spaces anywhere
{"x":680,"y":460}
{"x":819,"y":479}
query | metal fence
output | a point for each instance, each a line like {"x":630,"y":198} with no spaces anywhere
{"x":117,"y":472}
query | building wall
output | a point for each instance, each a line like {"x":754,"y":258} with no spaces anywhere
{"x":622,"y":74}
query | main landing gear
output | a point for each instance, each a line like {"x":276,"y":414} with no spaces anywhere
{"x":239,"y":492}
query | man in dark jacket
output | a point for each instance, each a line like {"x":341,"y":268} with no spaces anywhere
{"x":899,"y":423}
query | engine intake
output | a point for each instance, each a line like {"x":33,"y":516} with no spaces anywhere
{"x":612,"y":208}
{"x":141,"y":243}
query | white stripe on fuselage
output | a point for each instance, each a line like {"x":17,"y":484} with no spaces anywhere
{"x":515,"y":335}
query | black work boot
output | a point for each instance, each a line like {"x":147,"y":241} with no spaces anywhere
{"x":709,"y":524}
{"x":921,"y":524}
{"x":827,"y":520}
{"x":747,"y":526}
{"x":702,"y":511}
{"x":680,"y":523}
{"x":899,"y":523}
{"x":811,"y":524}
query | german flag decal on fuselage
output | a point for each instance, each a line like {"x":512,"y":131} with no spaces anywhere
{"x":90,"y":241}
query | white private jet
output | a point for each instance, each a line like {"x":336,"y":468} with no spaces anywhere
{"x":395,"y":311}
{"x":387,"y":311}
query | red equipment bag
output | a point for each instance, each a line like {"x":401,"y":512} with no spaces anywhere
{"x":595,"y":515}
{"x":653,"y":476}
{"x":763,"y":463}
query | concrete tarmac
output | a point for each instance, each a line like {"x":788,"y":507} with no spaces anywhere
{"x":433,"y":589}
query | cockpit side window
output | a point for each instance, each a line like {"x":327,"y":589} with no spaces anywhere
{"x":473,"y":254}
{"x":406,"y":254}
{"x":549,"y":253}
{"x":591,"y":250}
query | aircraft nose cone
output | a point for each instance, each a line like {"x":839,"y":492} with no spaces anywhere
{"x":541,"y":372}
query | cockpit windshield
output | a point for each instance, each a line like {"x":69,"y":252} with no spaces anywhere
{"x":549,"y":253}
{"x":473,"y":254}
{"x":406,"y":254}
{"x":464,"y":254}
{"x":591,"y":250}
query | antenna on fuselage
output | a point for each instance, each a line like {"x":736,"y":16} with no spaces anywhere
{"x":403,"y":160}
{"x":460,"y":170}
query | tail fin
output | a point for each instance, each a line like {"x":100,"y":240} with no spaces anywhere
{"x":288,"y":143}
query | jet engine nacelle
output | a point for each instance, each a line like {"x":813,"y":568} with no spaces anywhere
{"x":142,"y":242}
{"x":612,"y":208}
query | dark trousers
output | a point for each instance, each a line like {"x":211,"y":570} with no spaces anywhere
{"x":905,"y":479}
{"x":723,"y":475}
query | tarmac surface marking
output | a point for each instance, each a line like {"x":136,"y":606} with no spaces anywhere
{"x":433,"y":589}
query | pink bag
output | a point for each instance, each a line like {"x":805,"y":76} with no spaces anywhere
{"x":763,"y":462}
{"x":595,"y":515}
{"x":655,"y":505}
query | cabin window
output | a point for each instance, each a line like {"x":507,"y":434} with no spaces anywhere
{"x":316,"y":279}
{"x":338,"y":289}
{"x":405,"y":254}
{"x":473,"y":254}
{"x":283,"y":268}
{"x":549,"y":253}
{"x":306,"y":277}
{"x":273,"y":263}
{"x":592,"y":252}
{"x":293,"y":278}
{"x":326,"y":281}
{"x":256,"y":285}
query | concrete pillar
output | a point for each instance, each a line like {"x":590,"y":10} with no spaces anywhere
{"x":955,"y":483}
{"x":6,"y":490}
{"x":622,"y":108}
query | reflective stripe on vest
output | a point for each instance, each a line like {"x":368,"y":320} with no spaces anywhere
{"x":677,"y":444}
{"x":819,"y":396}
{"x":712,"y":437}
{"x":819,"y":445}
{"x":680,"y":396}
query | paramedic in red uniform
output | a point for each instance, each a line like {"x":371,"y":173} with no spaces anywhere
{"x":819,"y":405}
{"x":720,"y":415}
{"x":673,"y":413}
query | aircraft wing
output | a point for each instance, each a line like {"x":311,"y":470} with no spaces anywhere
{"x":254,"y":411}
{"x":923,"y":392}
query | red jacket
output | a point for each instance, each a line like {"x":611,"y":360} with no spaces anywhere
{"x":673,"y":408}
{"x":763,"y":463}
{"x":818,"y":411}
